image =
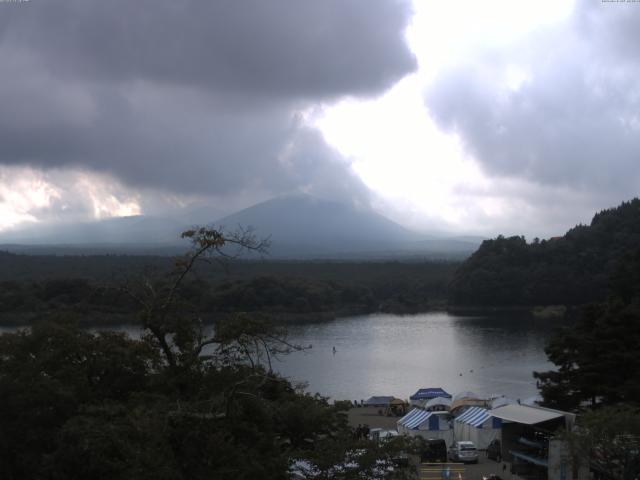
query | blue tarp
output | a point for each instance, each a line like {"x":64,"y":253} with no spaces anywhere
{"x":429,"y":393}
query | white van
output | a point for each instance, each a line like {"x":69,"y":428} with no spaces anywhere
{"x":463,"y":452}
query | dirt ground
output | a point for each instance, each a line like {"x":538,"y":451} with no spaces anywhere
{"x":370,"y":416}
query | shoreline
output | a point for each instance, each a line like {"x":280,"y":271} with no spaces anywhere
{"x":535,"y":311}
{"x":106,"y":319}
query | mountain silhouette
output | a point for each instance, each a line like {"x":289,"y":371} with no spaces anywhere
{"x":302,"y":223}
{"x":298,"y":226}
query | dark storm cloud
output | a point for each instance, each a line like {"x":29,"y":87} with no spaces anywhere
{"x":284,"y":47}
{"x":188,"y":96}
{"x":161,"y":138}
{"x":573,"y":122}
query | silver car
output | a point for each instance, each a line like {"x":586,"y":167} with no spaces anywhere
{"x":463,"y":452}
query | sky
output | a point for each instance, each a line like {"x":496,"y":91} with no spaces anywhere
{"x":467,"y":117}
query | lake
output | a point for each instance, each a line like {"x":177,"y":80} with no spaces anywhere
{"x":384,"y":354}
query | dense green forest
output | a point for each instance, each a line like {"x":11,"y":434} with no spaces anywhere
{"x":92,"y":287}
{"x":597,"y":357}
{"x":174,"y":404}
{"x":178,"y":404}
{"x":574,"y":269}
{"x":596,"y":374}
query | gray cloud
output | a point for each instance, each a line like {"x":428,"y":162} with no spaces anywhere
{"x":319,"y":170}
{"x":282,"y":47}
{"x":574,"y":123}
{"x":188,"y":96}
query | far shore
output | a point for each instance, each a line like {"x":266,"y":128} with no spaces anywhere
{"x":536,"y":311}
{"x":113,"y":319}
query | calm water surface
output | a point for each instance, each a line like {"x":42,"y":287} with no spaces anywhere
{"x":384,"y":354}
{"x":395,"y":355}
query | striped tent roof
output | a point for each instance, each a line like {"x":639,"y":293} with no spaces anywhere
{"x":474,"y":416}
{"x":414,"y":418}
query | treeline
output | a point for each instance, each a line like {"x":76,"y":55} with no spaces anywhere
{"x":20,"y":267}
{"x":596,"y":375}
{"x":79,"y":295}
{"x":597,"y":357}
{"x":303,"y":295}
{"x":575,"y":269}
{"x":340,"y":288}
{"x":177,"y":403}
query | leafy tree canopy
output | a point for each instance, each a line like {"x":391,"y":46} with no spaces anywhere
{"x":181,"y":402}
{"x":609,"y":438}
{"x":574,"y":269}
{"x":598,"y":358}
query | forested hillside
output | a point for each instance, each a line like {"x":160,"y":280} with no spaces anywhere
{"x":176,"y":403}
{"x":91,"y":287}
{"x":571,"y":270}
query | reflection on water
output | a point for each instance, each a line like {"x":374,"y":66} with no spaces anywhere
{"x":395,"y":355}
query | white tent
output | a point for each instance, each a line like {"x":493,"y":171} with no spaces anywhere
{"x":478,"y":426}
{"x":438,"y":404}
{"x":382,"y":434}
{"x":501,"y":402}
{"x":426,"y":424}
{"x":464,"y":400}
{"x":532,"y":401}
{"x":530,"y":415}
{"x":463,"y":395}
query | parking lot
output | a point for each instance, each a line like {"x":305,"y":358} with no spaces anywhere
{"x":458,"y":471}
{"x":372,"y":417}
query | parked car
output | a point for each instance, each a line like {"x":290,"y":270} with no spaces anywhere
{"x":435,"y":450}
{"x":494,"y":451}
{"x":463,"y":452}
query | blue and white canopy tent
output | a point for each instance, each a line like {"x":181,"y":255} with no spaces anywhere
{"x":419,"y":422}
{"x":422,"y":396}
{"x":477,"y":425}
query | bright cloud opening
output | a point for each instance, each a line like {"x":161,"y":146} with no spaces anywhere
{"x":32,"y":195}
{"x":393,"y":142}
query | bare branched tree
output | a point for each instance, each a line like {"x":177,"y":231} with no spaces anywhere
{"x":180,"y":333}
